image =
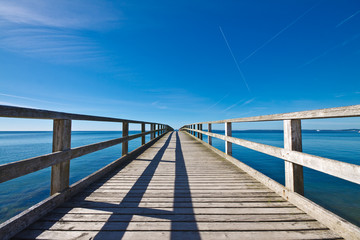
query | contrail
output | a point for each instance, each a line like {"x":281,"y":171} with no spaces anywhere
{"x":236,"y":63}
{"x":218,"y":101}
{"x":347,"y":19}
{"x":276,"y":35}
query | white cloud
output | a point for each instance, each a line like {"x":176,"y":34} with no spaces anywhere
{"x":55,"y":30}
{"x":60,"y":14}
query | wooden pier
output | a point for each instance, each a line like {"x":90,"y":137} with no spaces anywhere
{"x":178,"y":187}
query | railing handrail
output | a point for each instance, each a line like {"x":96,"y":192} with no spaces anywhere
{"x":59,"y":160}
{"x":20,"y":112}
{"x":292,"y":150}
{"x":9,"y":171}
{"x":346,"y":171}
{"x":338,"y":112}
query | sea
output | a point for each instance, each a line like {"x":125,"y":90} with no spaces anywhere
{"x":337,"y":195}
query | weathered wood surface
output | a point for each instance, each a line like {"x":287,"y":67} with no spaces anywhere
{"x":19,"y":112}
{"x":338,"y":112}
{"x":61,"y":141}
{"x":177,"y":189}
{"x":347,"y":171}
{"x":294,"y":177}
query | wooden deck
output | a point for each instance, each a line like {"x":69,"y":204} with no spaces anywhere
{"x":177,"y":189}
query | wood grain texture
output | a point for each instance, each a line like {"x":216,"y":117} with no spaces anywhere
{"x":177,"y":189}
{"x":338,"y":112}
{"x":294,"y":179}
{"x":19,"y":112}
{"x":61,"y":142}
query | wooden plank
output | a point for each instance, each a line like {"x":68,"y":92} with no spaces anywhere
{"x":338,"y":112}
{"x":179,"y":226}
{"x":169,"y":211}
{"x":109,"y":199}
{"x":61,"y":142}
{"x":91,"y":204}
{"x":156,"y":235}
{"x":177,"y":218}
{"x":347,"y":171}
{"x":294,"y":179}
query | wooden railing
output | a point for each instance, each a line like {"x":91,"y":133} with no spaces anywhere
{"x":292,"y":153}
{"x":59,"y":160}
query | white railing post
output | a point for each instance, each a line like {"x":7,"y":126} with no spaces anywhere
{"x":294,"y":179}
{"x":209,"y":137}
{"x":61,"y":141}
{"x":228,"y":133}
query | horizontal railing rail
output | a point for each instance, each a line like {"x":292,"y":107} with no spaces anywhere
{"x":62,"y":153}
{"x":19,"y":112}
{"x":347,"y":171}
{"x":292,"y":153}
{"x":339,"y":112}
{"x":17,"y":169}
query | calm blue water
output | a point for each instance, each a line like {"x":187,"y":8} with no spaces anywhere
{"x":334,"y":194}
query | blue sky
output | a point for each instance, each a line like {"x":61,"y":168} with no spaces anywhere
{"x":179,"y":62}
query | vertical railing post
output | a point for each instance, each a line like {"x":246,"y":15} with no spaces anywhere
{"x":125,"y":133}
{"x":209,"y":137}
{"x":142,"y":131}
{"x":61,"y":141}
{"x":200,"y":128}
{"x":152,"y":128}
{"x":228,"y":132}
{"x":294,"y":179}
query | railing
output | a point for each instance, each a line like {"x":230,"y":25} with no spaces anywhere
{"x":292,"y":153}
{"x":59,"y":160}
{"x":294,"y":158}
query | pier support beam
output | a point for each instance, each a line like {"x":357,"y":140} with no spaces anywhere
{"x":61,"y":141}
{"x":125,"y":133}
{"x":294,"y":179}
{"x":228,"y":132}
{"x":209,"y":137}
